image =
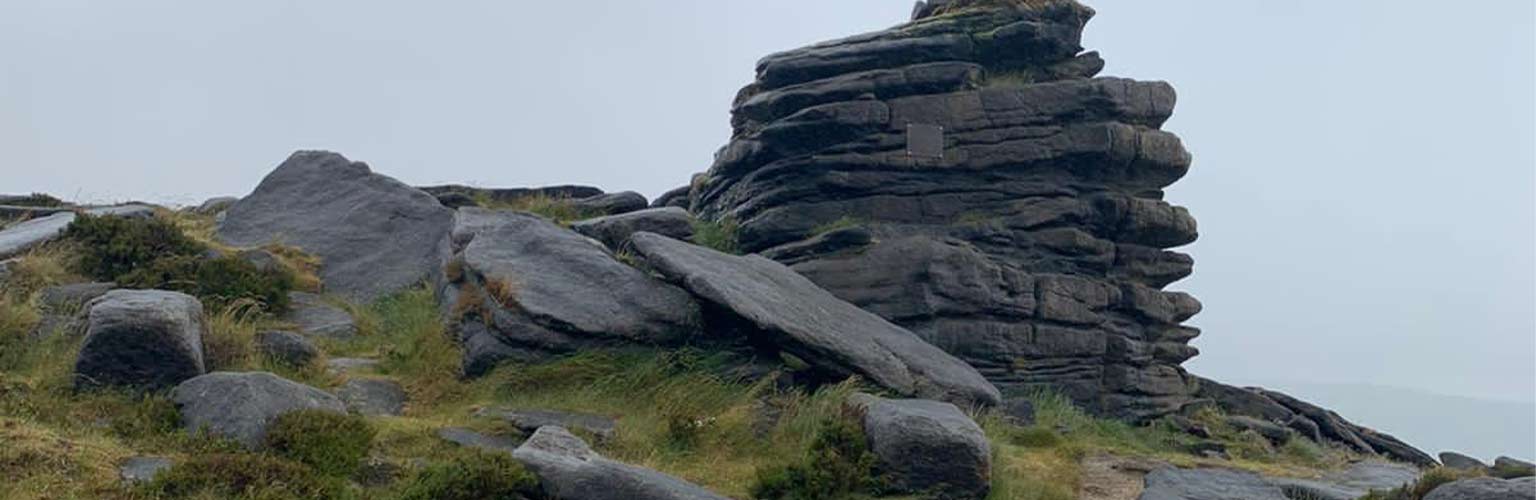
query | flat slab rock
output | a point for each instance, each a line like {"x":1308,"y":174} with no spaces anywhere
{"x":927,"y":445}
{"x":239,"y":406}
{"x":1225,"y":484}
{"x":23,"y":236}
{"x":141,"y":338}
{"x":373,"y":234}
{"x":568,"y":469}
{"x":532,"y":420}
{"x":313,"y":316}
{"x":373,"y":397}
{"x":814,"y":325}
{"x":1486,"y":488}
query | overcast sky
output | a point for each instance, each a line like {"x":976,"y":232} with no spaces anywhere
{"x":1365,"y":172}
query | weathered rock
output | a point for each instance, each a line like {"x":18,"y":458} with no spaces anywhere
{"x":471,"y":439}
{"x":923,"y":446}
{"x":1455,"y":460}
{"x":313,"y":316}
{"x":141,"y":338}
{"x":456,"y":196}
{"x":1020,"y":412}
{"x":614,"y":230}
{"x":215,"y":205}
{"x":611,"y":203}
{"x":799,"y":317}
{"x":344,"y":366}
{"x":373,"y":234}
{"x":1309,"y":420}
{"x":287,"y":348}
{"x":1514,"y":466}
{"x":1209,"y":484}
{"x":1271,"y":431}
{"x":373,"y":397}
{"x":18,"y":238}
{"x":520,"y":285}
{"x":67,"y":299}
{"x":1485,"y":488}
{"x":568,"y":469}
{"x":1010,"y":205}
{"x":142,"y":469}
{"x":677,"y":197}
{"x":1352,"y":483}
{"x":240,"y":406}
{"x":528,"y":421}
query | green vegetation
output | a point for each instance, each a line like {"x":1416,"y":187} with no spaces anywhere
{"x":562,"y":210}
{"x":1432,"y":479}
{"x":244,"y":476}
{"x":722,"y":234}
{"x":156,"y":253}
{"x":837,"y":465}
{"x":472,"y":475}
{"x":41,"y":200}
{"x":334,"y":444}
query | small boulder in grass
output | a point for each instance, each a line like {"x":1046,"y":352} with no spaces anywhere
{"x":923,"y":446}
{"x":146,"y":339}
{"x":240,"y":406}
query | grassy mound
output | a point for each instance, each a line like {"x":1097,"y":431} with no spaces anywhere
{"x":333,"y":444}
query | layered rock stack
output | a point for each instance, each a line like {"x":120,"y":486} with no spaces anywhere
{"x":968,"y":177}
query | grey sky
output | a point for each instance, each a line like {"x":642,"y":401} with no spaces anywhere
{"x":1365,"y":171}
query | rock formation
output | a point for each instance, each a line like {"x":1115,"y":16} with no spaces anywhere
{"x":148,"y":339}
{"x":373,"y":234}
{"x":240,"y":406}
{"x":1012,"y":202}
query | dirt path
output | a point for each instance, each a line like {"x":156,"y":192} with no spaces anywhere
{"x":1107,"y":477}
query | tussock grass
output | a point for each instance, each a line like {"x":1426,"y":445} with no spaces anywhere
{"x":722,"y":234}
{"x":561,"y":210}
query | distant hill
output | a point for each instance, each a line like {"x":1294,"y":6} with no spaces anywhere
{"x":1483,"y":428}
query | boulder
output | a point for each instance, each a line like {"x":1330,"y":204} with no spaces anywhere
{"x":1352,"y":483}
{"x":313,"y":316}
{"x":530,"y":420}
{"x":677,"y":197}
{"x":1209,"y":484}
{"x":1455,"y":460}
{"x":568,"y":469}
{"x":240,"y":406}
{"x":373,"y":234}
{"x":793,"y":314}
{"x":519,"y":285}
{"x":1485,"y":488}
{"x":373,"y":397}
{"x":611,"y":203}
{"x":1011,"y":206}
{"x":614,"y":230}
{"x":923,"y":446}
{"x":1514,"y":467}
{"x":471,"y":439}
{"x":145,"y":339}
{"x":287,"y":348}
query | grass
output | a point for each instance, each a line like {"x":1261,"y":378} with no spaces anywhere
{"x":1431,"y":479}
{"x":722,"y":234}
{"x":561,"y":210}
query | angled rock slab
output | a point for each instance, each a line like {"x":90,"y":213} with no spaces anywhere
{"x":314,"y":317}
{"x":1455,"y":460}
{"x":143,"y":339}
{"x":471,"y":439}
{"x":373,"y":397}
{"x":614,"y":230}
{"x":1209,"y":484}
{"x":17,"y":239}
{"x":532,"y":286}
{"x":815,"y":326}
{"x":240,"y":406}
{"x":925,"y":446}
{"x":373,"y":234}
{"x":568,"y":469}
{"x":611,"y":203}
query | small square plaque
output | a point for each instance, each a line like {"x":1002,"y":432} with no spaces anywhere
{"x":925,"y":141}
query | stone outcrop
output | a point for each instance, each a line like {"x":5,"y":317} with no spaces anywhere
{"x":926,"y":446}
{"x":569,"y":469}
{"x":146,"y":339}
{"x":240,"y":406}
{"x":784,"y":311}
{"x":1013,"y":202}
{"x":1170,"y":483}
{"x":17,"y":238}
{"x":373,"y":234}
{"x":1312,"y":421}
{"x":520,"y":286}
{"x":1486,"y":488}
{"x":374,"y":397}
{"x":614,"y":230}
